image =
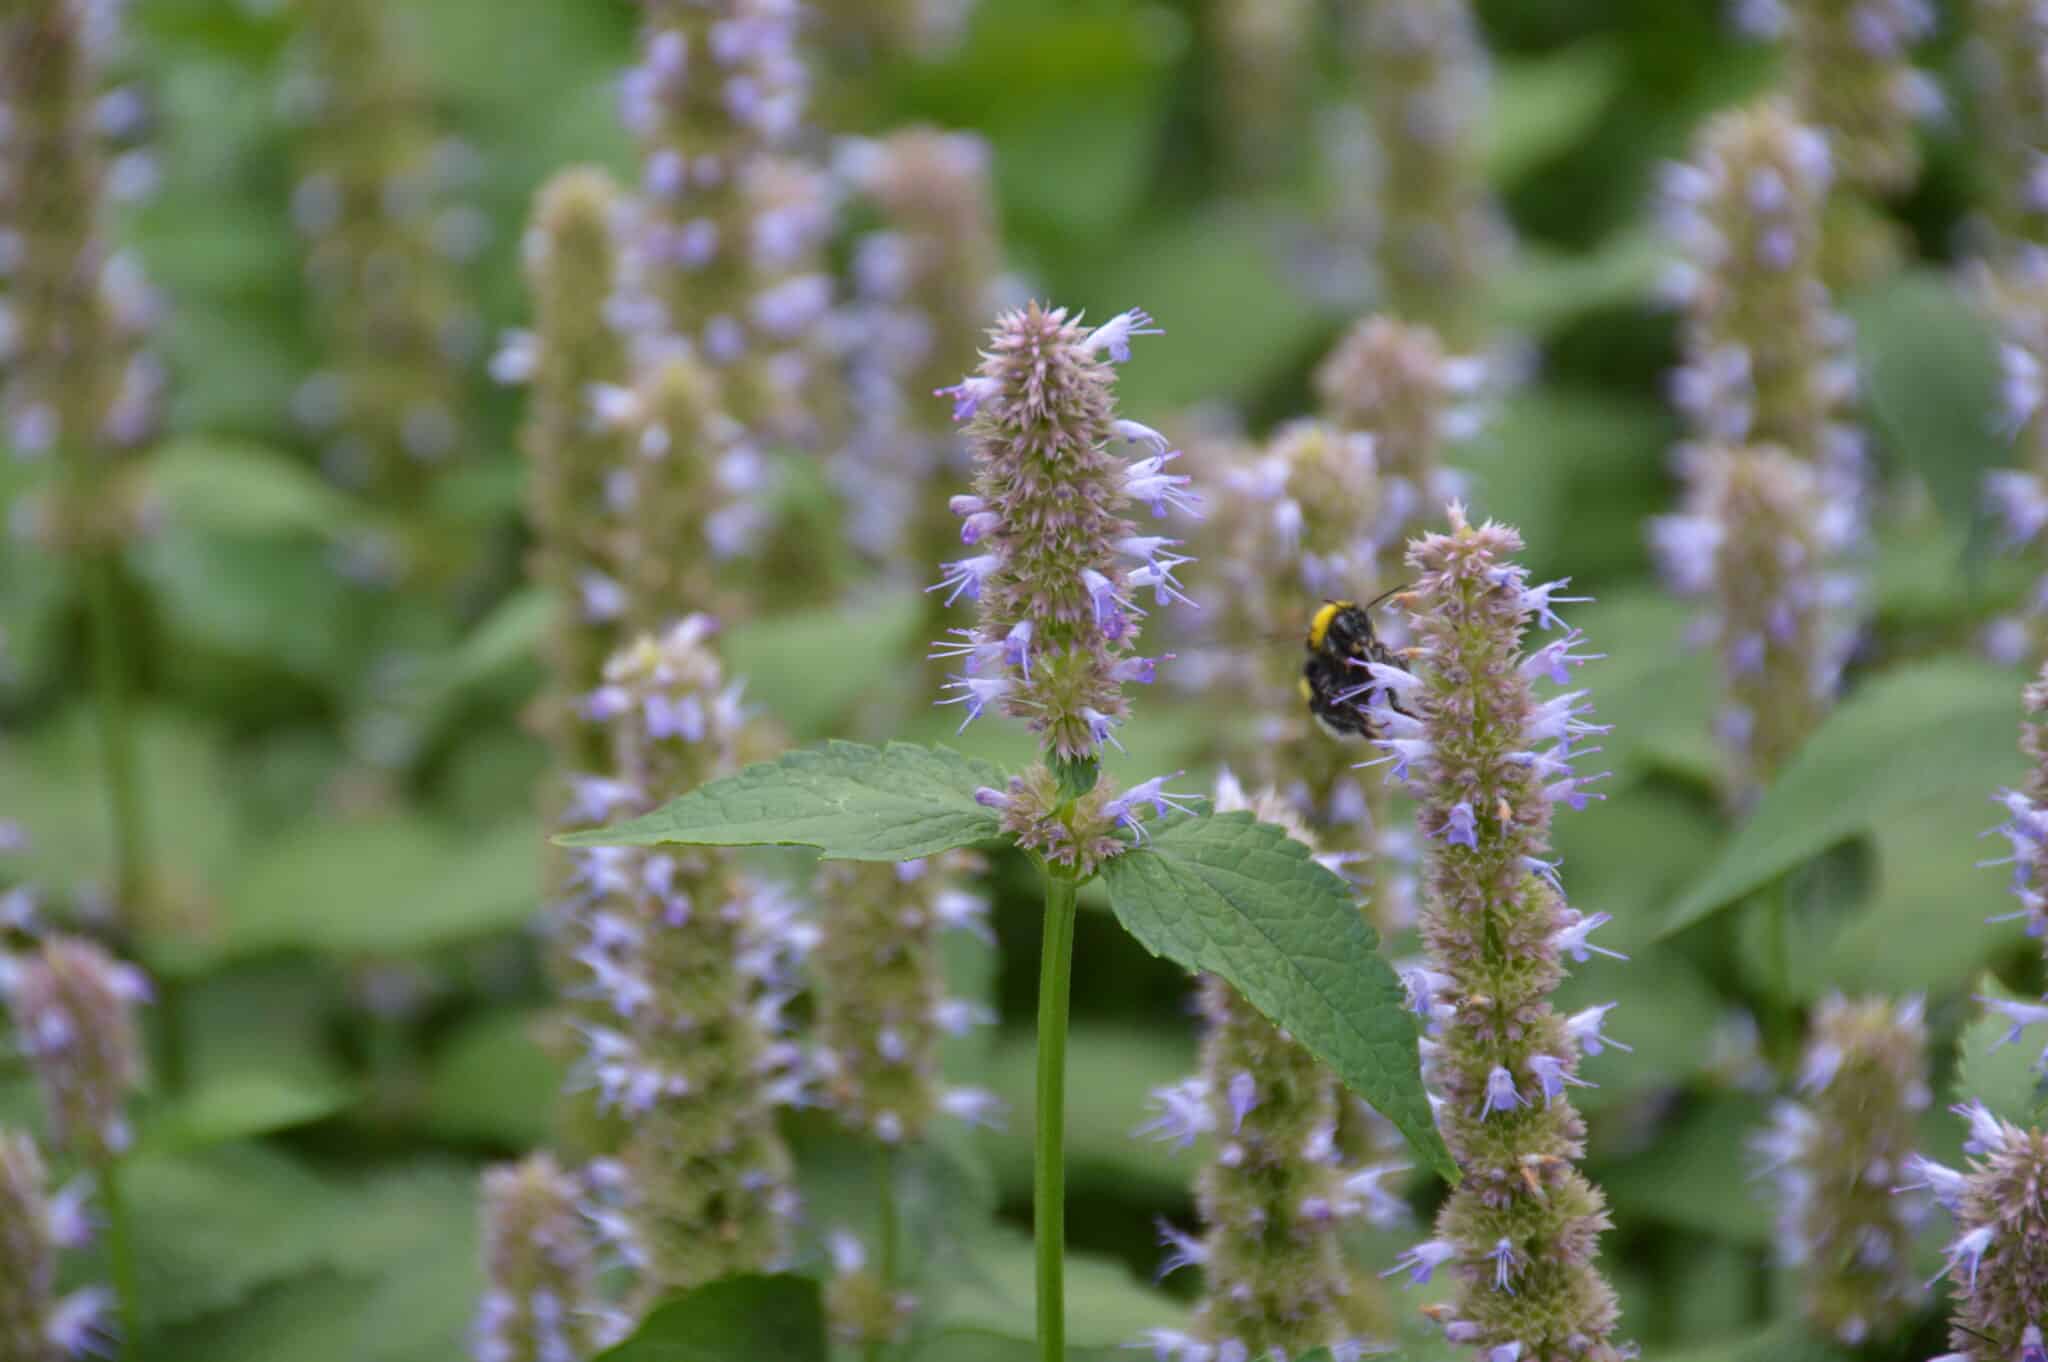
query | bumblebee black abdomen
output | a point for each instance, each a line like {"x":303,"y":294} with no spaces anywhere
{"x":1340,"y":642}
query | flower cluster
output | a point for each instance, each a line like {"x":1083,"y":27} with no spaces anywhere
{"x":2026,"y":831}
{"x":863,"y":1308}
{"x":36,"y":1324}
{"x":1275,"y":1193}
{"x":1766,"y":355}
{"x":2008,"y":64}
{"x":924,"y":286}
{"x":1755,"y":539}
{"x":2016,"y":298}
{"x":1774,"y":470}
{"x":1395,"y":383}
{"x":541,"y":1303}
{"x":1261,"y":112}
{"x":882,"y":1011}
{"x":1839,"y":1153}
{"x":717,"y":91}
{"x":1852,"y":76}
{"x":572,"y":272}
{"x":895,"y":28}
{"x":1440,"y":233}
{"x":1998,"y":1261}
{"x":1488,"y":761}
{"x":1053,"y":564}
{"x":75,"y":312}
{"x":375,"y":203}
{"x":686,"y":495}
{"x":73,"y":1007}
{"x":690,"y":964}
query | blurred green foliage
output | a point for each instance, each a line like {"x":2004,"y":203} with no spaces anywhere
{"x":346,"y":954}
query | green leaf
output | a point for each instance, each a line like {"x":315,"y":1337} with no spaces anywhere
{"x":1696,"y":1173}
{"x":212,"y":1227}
{"x":810,"y":668}
{"x":2004,"y":1076}
{"x":988,"y":1309}
{"x":243,"y":1105}
{"x":850,"y":801}
{"x":246,"y":489}
{"x":1243,"y":900}
{"x":484,"y":1080}
{"x":1545,"y":105}
{"x":1929,"y":368}
{"x":738,"y":1319}
{"x":1927,"y":733}
{"x":1076,"y":778}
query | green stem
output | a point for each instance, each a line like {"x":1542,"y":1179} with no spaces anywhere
{"x":890,"y":1232}
{"x":120,"y":1255}
{"x":117,"y":739}
{"x":1049,"y":1170}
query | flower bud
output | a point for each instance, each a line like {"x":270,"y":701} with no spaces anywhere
{"x":73,"y":1007}
{"x":36,"y":1324}
{"x":1839,"y":1153}
{"x":540,"y":1262}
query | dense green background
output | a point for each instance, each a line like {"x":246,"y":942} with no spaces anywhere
{"x":312,"y":1194}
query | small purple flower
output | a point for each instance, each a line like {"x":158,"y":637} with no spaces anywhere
{"x":1242,"y":1093}
{"x":966,"y":575}
{"x":977,"y":693}
{"x":1504,"y":1258}
{"x":1181,"y":1112}
{"x":1422,"y":1261}
{"x":1554,"y":1077}
{"x":1115,"y":334}
{"x":1148,"y":481}
{"x":1585,"y":1027}
{"x":1461,"y":828}
{"x":1944,"y":1182}
{"x":1501,"y":1094}
{"x":1571,"y":939}
{"x":1969,"y":1248}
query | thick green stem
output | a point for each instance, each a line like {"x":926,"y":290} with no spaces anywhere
{"x":120,"y":1256}
{"x":891,"y":1233}
{"x":102,"y":570}
{"x":1049,"y":1169}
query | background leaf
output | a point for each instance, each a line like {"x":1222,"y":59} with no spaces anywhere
{"x":1944,"y":730}
{"x":739,"y":1319}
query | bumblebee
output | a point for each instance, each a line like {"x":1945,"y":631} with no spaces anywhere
{"x":1341,"y":640}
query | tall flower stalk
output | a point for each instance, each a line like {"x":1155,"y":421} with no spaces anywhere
{"x":1998,"y":1261}
{"x":2026,"y":833}
{"x":1488,"y":761}
{"x":541,"y":1264}
{"x":384,"y":241}
{"x":1775,"y":468}
{"x":882,"y":1014}
{"x":1275,"y":1194}
{"x":689,"y":960}
{"x":37,"y":1324}
{"x":1055,"y":570}
{"x":2007,"y":52}
{"x":78,"y":386}
{"x":924,"y":287}
{"x":572,"y":271}
{"x":1440,"y":234}
{"x":1838,"y":1156}
{"x":73,"y":1008}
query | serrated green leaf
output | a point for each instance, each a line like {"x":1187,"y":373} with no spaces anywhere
{"x":2004,"y":1075}
{"x":738,"y":1319}
{"x":1933,"y":731}
{"x":1243,"y":900}
{"x":850,"y":801}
